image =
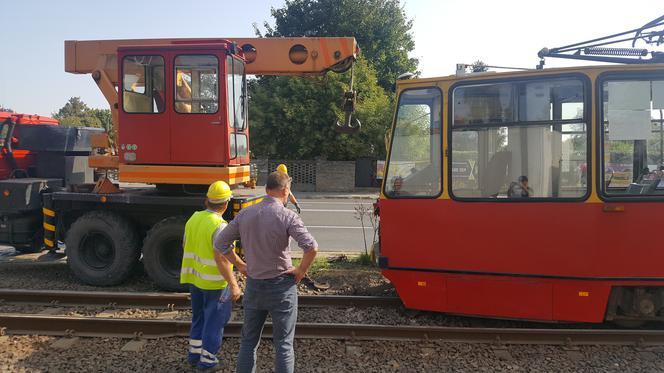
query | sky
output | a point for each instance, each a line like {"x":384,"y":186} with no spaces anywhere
{"x":446,"y":32}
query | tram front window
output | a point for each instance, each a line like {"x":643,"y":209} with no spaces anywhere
{"x":633,"y":137}
{"x":505,"y":133}
{"x":414,"y":167}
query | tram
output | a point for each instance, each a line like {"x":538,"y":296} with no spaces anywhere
{"x":534,"y":194}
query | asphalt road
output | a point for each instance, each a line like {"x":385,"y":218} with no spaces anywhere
{"x":335,"y":223}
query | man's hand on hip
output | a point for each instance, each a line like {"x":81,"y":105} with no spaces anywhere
{"x":297,"y":272}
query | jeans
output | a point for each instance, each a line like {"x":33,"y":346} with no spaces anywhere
{"x":278,"y":297}
{"x":211,"y":311}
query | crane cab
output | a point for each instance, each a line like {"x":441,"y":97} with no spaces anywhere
{"x":182,"y":111}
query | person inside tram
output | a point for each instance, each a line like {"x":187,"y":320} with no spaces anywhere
{"x":397,"y":184}
{"x":520,"y":188}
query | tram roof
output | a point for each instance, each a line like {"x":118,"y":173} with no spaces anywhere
{"x":587,"y":70}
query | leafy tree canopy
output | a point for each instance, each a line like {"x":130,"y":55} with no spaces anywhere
{"x":293,"y":117}
{"x":479,"y":66}
{"x":380,"y":27}
{"x":77,"y":113}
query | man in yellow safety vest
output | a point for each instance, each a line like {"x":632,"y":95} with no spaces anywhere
{"x":210,"y":278}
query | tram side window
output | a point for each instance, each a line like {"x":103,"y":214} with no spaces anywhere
{"x":414,"y":168}
{"x":633,"y":137}
{"x":196,"y":84}
{"x":143,"y":84}
{"x":519,"y":139}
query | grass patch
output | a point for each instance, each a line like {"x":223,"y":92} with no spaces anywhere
{"x":364,"y":259}
{"x":317,"y":265}
{"x":360,"y":262}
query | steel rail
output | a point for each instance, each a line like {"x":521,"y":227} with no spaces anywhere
{"x":167,"y":300}
{"x":20,"y":324}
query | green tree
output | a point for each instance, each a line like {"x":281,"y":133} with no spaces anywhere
{"x":293,"y":117}
{"x":380,"y":27}
{"x":76,"y":113}
{"x":105,"y":118}
{"x":479,"y":67}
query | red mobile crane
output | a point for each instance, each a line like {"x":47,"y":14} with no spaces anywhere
{"x":179,"y":109}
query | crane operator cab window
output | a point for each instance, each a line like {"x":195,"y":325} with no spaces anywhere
{"x":196,"y":84}
{"x":143,"y":84}
{"x":414,"y":167}
{"x":237,"y":106}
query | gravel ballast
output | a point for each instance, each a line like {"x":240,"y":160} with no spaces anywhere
{"x":34,"y":354}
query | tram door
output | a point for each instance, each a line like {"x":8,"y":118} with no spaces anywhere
{"x":631,"y":171}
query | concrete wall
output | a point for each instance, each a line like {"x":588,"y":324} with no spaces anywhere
{"x":335,"y":176}
{"x":313,"y":175}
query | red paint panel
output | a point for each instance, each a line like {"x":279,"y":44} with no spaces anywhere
{"x":419,"y":290}
{"x":555,"y":244}
{"x":539,"y":238}
{"x":499,"y":296}
{"x":580,"y":300}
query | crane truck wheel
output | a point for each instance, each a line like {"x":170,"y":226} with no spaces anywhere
{"x":162,"y":253}
{"x":102,"y":248}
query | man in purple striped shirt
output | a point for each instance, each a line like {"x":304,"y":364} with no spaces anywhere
{"x":265,"y":230}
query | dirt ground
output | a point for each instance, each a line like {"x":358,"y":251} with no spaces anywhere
{"x":346,"y":276}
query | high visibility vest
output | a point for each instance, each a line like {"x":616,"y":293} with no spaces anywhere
{"x":198,"y":265}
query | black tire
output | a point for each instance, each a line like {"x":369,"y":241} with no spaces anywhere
{"x":162,"y":253}
{"x":102,"y":248}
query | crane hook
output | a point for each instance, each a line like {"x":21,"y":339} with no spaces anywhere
{"x":349,"y":108}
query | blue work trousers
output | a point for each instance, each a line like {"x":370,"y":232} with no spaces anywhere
{"x":211,"y":311}
{"x":278,"y":297}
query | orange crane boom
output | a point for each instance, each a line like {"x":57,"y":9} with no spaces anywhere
{"x":272,"y":56}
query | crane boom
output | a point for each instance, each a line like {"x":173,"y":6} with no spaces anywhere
{"x":273,"y":56}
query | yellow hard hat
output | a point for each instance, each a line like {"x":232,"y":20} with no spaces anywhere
{"x":282,"y":168}
{"x":219,"y":192}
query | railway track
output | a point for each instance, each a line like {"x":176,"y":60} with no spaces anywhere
{"x":166,"y":300}
{"x":41,"y":324}
{"x":21,"y":324}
